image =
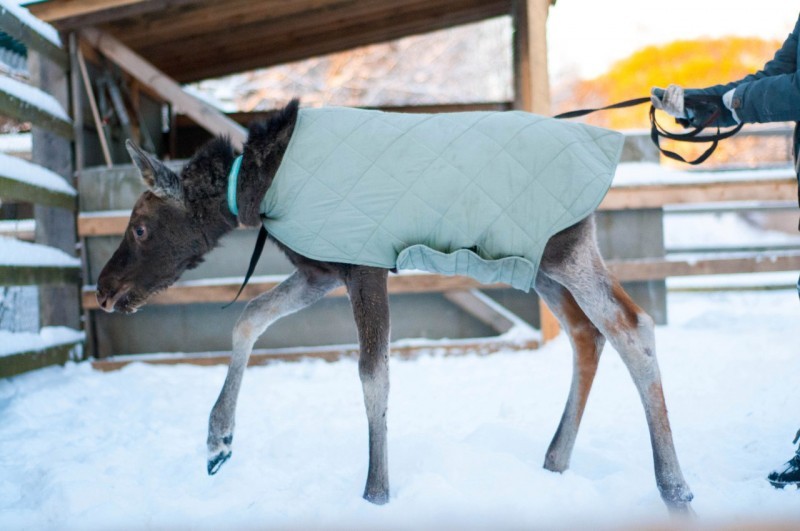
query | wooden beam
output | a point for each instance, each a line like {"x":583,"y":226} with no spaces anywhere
{"x":267,"y":42}
{"x":658,"y":195}
{"x":480,"y":346}
{"x":655,"y":268}
{"x":55,"y":227}
{"x":532,"y":89}
{"x":201,"y":112}
{"x":11,"y":188}
{"x":531,"y":78}
{"x":60,"y":9}
{"x":20,"y":275}
{"x":484,"y":309}
{"x":14,"y":364}
{"x":618,"y":198}
{"x":72,"y":14}
{"x":23,"y":103}
{"x":224,"y":290}
{"x":89,"y":91}
{"x":103,"y":223}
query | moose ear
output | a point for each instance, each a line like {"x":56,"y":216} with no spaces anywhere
{"x":161,"y":180}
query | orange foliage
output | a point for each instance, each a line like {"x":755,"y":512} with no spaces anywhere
{"x":698,"y":63}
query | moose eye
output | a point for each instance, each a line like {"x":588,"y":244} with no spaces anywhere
{"x":139,"y":231}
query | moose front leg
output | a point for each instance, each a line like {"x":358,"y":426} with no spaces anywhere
{"x":370,"y":300}
{"x":295,"y":293}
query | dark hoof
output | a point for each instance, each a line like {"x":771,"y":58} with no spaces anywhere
{"x":378,"y":498}
{"x":217,"y":461}
{"x":681,"y":510}
{"x":679,"y":503}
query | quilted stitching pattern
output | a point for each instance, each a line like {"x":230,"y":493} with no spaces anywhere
{"x":464,"y":193}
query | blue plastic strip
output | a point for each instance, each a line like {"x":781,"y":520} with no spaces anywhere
{"x":233,"y":179}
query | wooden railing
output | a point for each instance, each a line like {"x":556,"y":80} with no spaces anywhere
{"x":23,"y":263}
{"x":683,"y":190}
{"x":774,"y":188}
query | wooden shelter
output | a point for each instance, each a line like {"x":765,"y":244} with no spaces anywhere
{"x":121,"y":77}
{"x":130,"y":57}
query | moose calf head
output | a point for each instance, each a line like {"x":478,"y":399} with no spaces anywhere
{"x":173,"y":224}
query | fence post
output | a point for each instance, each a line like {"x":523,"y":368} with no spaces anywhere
{"x":58,"y":305}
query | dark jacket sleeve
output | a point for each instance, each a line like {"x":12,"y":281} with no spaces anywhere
{"x":770,"y":95}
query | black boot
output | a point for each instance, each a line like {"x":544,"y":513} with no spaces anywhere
{"x":790,"y":475}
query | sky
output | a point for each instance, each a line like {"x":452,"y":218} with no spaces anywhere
{"x":577,"y":43}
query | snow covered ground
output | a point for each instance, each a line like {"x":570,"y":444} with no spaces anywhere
{"x":85,"y":450}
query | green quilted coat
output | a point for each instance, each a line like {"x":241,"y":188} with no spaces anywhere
{"x":475,"y":194}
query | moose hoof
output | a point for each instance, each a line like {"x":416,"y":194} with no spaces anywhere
{"x":218,"y":453}
{"x":216,"y":462}
{"x":378,"y":498}
{"x":679,"y":502}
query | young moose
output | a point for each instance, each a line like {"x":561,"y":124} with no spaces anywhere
{"x":349,"y":195}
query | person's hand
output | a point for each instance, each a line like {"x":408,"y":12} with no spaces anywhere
{"x":727,"y":101}
{"x":669,"y":100}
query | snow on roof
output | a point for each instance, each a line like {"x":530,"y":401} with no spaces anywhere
{"x":33,"y":174}
{"x":17,"y":253}
{"x":16,"y":342}
{"x":39,"y":26}
{"x":33,"y":96}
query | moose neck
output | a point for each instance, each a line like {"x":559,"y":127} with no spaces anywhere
{"x":263,"y":152}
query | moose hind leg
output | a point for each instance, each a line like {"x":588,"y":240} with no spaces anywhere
{"x":295,"y":293}
{"x":587,"y":344}
{"x":370,"y":300}
{"x":580,"y":268}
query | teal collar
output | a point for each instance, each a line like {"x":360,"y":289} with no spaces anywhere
{"x":233,"y":179}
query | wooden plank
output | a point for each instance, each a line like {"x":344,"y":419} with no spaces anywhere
{"x":224,"y":290}
{"x":60,"y":9}
{"x":531,"y":79}
{"x":89,"y":91}
{"x":25,"y":109}
{"x":71,"y":14}
{"x":265,"y":42}
{"x":618,"y":198}
{"x":532,"y":89}
{"x":14,"y":364}
{"x":654,"y":195}
{"x":17,"y":275}
{"x":11,"y":188}
{"x":111,"y":224}
{"x":484,"y":309}
{"x":15,"y":27}
{"x":652,"y":269}
{"x":203,"y":113}
{"x":400,"y":349}
{"x":55,"y":227}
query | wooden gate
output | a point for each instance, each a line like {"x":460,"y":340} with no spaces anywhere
{"x":47,"y":183}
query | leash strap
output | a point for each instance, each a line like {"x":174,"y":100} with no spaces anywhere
{"x":657,"y":131}
{"x":260,"y":241}
{"x":620,"y":105}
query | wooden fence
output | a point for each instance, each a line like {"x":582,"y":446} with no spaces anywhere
{"x":684,"y":189}
{"x":51,"y":263}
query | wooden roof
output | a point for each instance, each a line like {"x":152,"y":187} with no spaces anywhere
{"x":197,"y":39}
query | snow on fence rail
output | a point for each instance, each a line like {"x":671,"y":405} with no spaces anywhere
{"x":29,"y":104}
{"x":22,"y":263}
{"x":21,"y":180}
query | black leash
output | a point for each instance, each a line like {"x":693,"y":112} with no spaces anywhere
{"x":711,"y":105}
{"x":260,"y":241}
{"x":656,"y":132}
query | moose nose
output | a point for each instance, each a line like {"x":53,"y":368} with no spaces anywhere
{"x":107,"y":298}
